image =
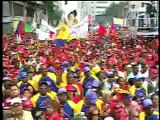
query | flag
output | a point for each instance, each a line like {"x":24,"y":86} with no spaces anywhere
{"x":102,"y":30}
{"x":28,"y":27}
{"x":20,"y":27}
{"x":113,"y":29}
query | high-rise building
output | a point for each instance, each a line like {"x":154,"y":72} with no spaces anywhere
{"x":93,"y":8}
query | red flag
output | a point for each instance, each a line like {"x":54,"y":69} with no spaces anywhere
{"x":102,"y":30}
{"x":113,"y":29}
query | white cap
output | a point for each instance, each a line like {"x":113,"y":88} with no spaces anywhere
{"x":108,"y":118}
{"x":129,"y":66}
{"x":16,"y":100}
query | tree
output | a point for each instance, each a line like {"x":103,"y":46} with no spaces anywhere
{"x":116,"y":10}
{"x":54,"y":14}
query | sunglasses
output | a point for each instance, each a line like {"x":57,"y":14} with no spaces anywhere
{"x":96,"y":114}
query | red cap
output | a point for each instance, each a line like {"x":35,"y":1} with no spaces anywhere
{"x":70,"y":88}
{"x":153,"y":72}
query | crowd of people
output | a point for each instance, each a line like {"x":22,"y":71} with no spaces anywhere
{"x":96,"y":78}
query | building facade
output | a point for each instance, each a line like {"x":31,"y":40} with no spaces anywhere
{"x":92,"y":8}
{"x":16,"y":10}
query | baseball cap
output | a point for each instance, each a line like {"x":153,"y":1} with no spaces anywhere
{"x":129,"y":66}
{"x":153,"y":71}
{"x":110,"y":73}
{"x":42,"y":82}
{"x":16,"y":100}
{"x":23,"y":74}
{"x":147,"y":103}
{"x":62,"y":90}
{"x":91,"y":96}
{"x":7,"y":78}
{"x":65,"y":62}
{"x":87,"y":69}
{"x":51,"y":69}
{"x":70,"y":88}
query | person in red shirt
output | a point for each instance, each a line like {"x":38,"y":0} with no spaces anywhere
{"x":52,"y":111}
{"x":14,"y":92}
{"x":71,"y":93}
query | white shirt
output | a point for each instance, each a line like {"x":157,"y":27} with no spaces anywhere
{"x":107,"y":86}
{"x":131,"y":75}
{"x":141,"y":11}
{"x":145,"y":75}
{"x":133,"y":13}
{"x":121,"y":74}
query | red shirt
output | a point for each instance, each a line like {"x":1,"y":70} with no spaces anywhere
{"x":55,"y":116}
{"x":76,"y":99}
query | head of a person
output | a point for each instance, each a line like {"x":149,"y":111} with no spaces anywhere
{"x":16,"y":106}
{"x":144,"y":68}
{"x":106,"y":97}
{"x":66,"y":64}
{"x":27,"y":93}
{"x":138,"y":82}
{"x":133,"y":6}
{"x":72,"y":15}
{"x":31,"y":58}
{"x":87,"y":71}
{"x":135,"y":70}
{"x":102,"y":75}
{"x":52,"y":106}
{"x":142,"y":4}
{"x":120,"y":81}
{"x":153,"y":74}
{"x":6,"y":81}
{"x":31,"y":69}
{"x":42,"y":88}
{"x":37,"y":60}
{"x":110,"y":76}
{"x":38,"y":114}
{"x":155,"y":99}
{"x":43,"y":70}
{"x":125,"y":98}
{"x":147,"y":107}
{"x":24,"y":77}
{"x":90,"y":97}
{"x":93,"y":113}
{"x":137,"y":98}
{"x":62,"y":96}
{"x":70,"y":78}
{"x":14,"y":90}
{"x":149,"y":57}
{"x":129,"y":68}
{"x":70,"y":91}
{"x":49,"y":84}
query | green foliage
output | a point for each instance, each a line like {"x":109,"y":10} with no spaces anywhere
{"x":52,"y":10}
{"x":116,"y":10}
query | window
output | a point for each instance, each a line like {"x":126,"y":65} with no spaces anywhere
{"x":30,"y":12}
{"x":18,"y":10}
{"x":6,"y":9}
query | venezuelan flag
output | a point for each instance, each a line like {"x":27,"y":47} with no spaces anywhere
{"x":20,"y":27}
